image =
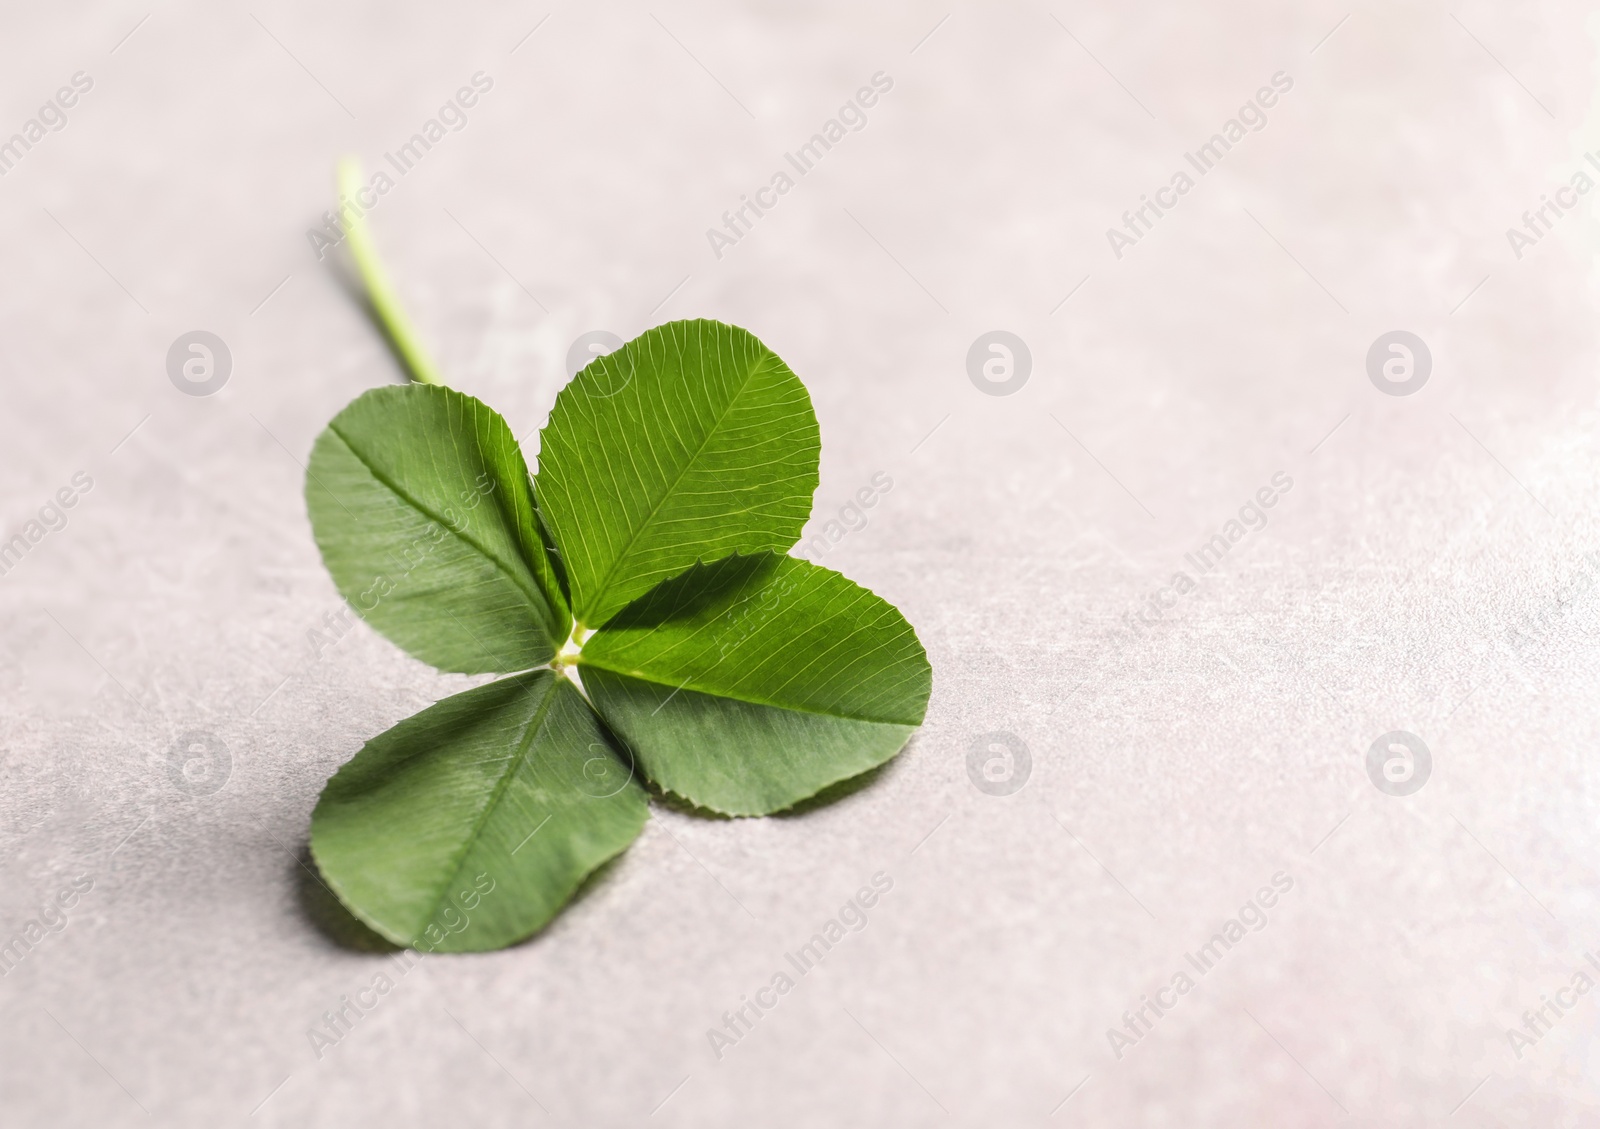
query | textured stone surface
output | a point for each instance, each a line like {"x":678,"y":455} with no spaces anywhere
{"x":1176,"y":767}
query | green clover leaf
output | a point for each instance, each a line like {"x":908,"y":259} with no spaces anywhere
{"x":691,"y":442}
{"x":695,"y":657}
{"x":420,"y":503}
{"x":748,"y":685}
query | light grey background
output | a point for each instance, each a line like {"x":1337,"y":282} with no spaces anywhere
{"x":1175,"y":768}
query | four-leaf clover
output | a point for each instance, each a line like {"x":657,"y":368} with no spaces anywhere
{"x":637,"y":595}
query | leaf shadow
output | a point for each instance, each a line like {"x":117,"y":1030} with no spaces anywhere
{"x":698,"y":588}
{"x":349,"y":279}
{"x":830,"y":795}
{"x":325,"y":913}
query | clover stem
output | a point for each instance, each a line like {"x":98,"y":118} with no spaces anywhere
{"x":380,"y":291}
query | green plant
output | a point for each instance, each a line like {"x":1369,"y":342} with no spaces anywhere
{"x":646,"y":558}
